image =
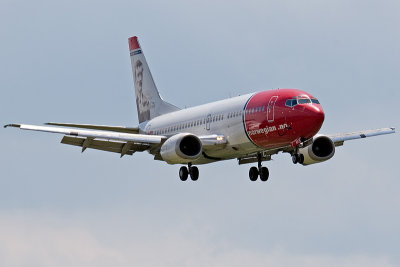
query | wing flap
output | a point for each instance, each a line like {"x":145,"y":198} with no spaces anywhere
{"x":110,"y":146}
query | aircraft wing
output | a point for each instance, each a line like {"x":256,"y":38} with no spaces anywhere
{"x":123,"y":143}
{"x":120,"y":129}
{"x":111,"y":139}
{"x":338,"y":139}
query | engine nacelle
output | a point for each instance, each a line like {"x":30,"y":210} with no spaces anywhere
{"x":320,"y":150}
{"x":181,"y":148}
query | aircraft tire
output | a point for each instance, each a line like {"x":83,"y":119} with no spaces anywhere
{"x":264,"y":174}
{"x":194,"y":173}
{"x":301,"y":158}
{"x":183,"y":173}
{"x":253,"y":174}
{"x":295,"y":159}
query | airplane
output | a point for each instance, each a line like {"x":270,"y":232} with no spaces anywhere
{"x":250,"y":128}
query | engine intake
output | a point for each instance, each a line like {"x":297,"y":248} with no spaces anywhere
{"x":320,"y":150}
{"x":181,"y":148}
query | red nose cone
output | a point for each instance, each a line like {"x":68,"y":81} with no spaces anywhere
{"x":318,"y":115}
{"x":314,"y":118}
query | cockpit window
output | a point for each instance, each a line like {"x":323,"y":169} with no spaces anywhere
{"x":304,"y":100}
{"x":291,"y":102}
{"x":301,"y":100}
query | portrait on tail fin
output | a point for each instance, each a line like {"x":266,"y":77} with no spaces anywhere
{"x":143,"y":104}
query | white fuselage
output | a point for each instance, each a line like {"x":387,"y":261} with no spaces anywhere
{"x":223,"y":117}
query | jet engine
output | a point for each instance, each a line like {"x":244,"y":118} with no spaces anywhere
{"x":320,"y":150}
{"x":181,"y":148}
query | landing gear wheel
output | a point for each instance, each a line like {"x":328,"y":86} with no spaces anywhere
{"x":183,"y":173}
{"x":253,"y":174}
{"x":194,"y":173}
{"x":301,"y":158}
{"x":295,"y":159}
{"x":298,"y":158}
{"x":264,"y":174}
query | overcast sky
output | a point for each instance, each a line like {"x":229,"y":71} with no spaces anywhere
{"x":68,"y":61}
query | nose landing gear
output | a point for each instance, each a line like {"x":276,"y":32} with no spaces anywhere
{"x":193,"y":171}
{"x":263,"y":172}
{"x":298,"y":158}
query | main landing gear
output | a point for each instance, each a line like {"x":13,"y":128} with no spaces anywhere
{"x":263,"y":172}
{"x":193,"y":171}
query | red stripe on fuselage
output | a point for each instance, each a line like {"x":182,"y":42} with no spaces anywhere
{"x":269,"y":123}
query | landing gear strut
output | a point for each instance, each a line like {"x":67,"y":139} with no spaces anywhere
{"x":193,"y":171}
{"x":263,"y":172}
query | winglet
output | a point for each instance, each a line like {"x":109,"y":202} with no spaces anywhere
{"x":133,"y":43}
{"x":12,"y":125}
